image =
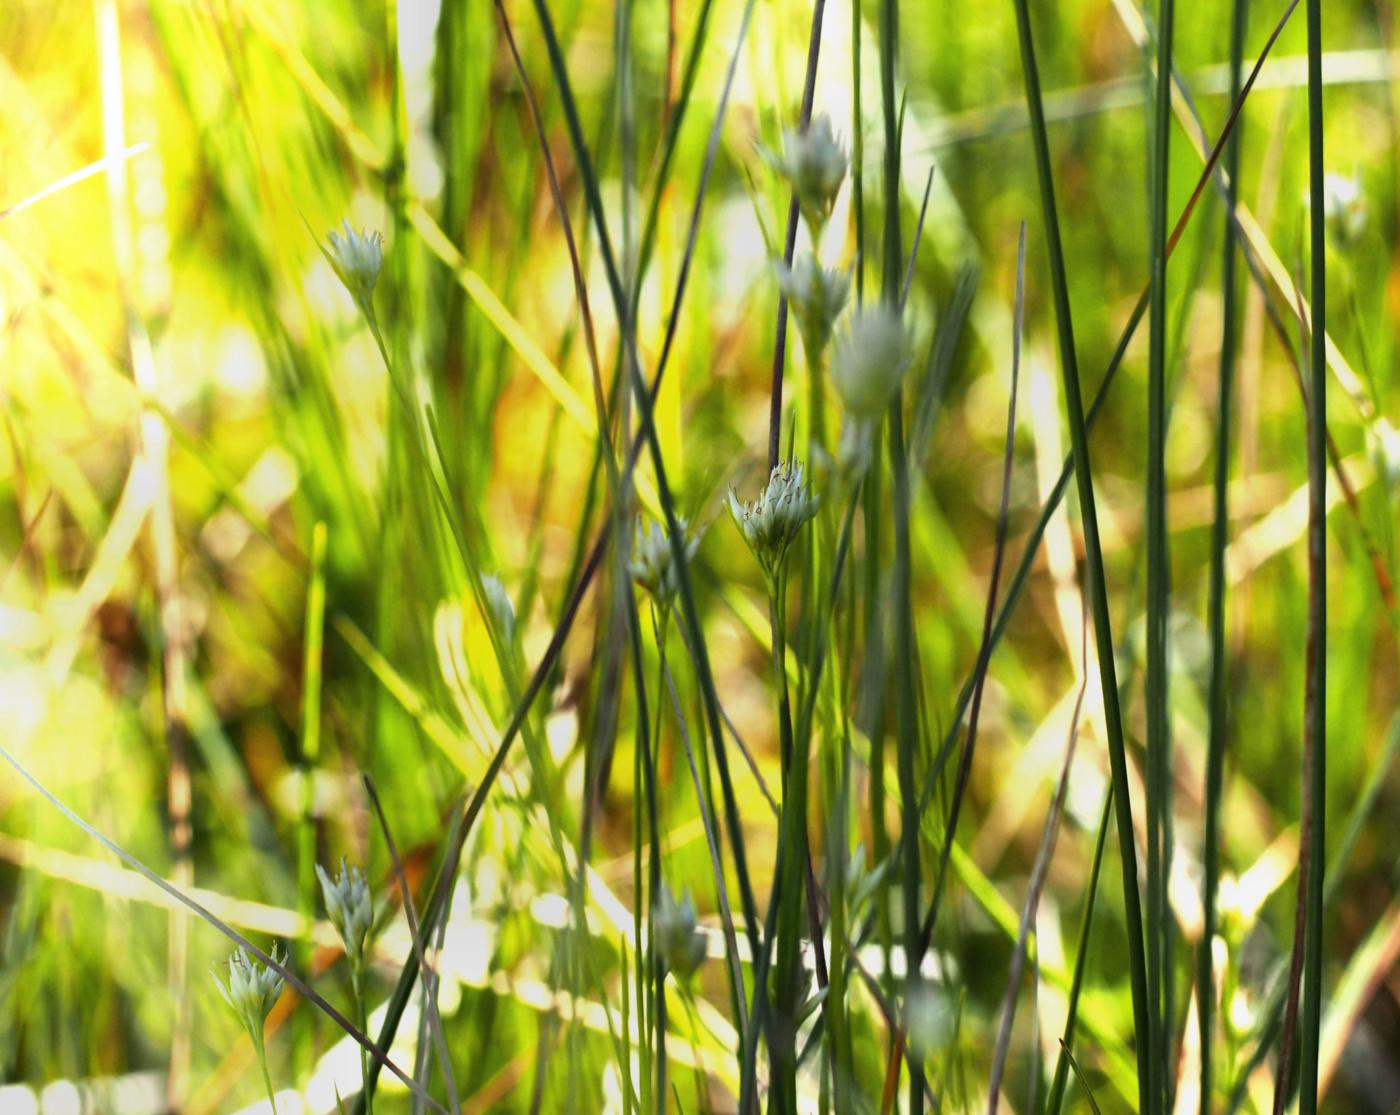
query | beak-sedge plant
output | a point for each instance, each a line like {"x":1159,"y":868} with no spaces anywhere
{"x":876,"y":753}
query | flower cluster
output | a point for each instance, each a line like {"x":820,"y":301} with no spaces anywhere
{"x":251,"y":990}
{"x":652,"y":565}
{"x":815,"y":165}
{"x":770,"y":523}
{"x":356,"y":258}
{"x":350,"y":910}
{"x":680,"y":940}
{"x":818,"y":296}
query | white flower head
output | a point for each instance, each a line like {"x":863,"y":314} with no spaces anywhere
{"x":815,"y":165}
{"x":870,"y":361}
{"x":652,"y":565}
{"x":356,"y":258}
{"x":251,"y":989}
{"x":817,"y":295}
{"x":349,"y":907}
{"x":499,"y":602}
{"x":1345,"y":209}
{"x":771,"y":522}
{"x":680,"y":939}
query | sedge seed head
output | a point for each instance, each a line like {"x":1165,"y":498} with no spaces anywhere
{"x":771,"y":523}
{"x":869,"y":362}
{"x":680,"y":939}
{"x":349,"y":907}
{"x":817,"y":295}
{"x":815,"y":166}
{"x":356,"y":258}
{"x":653,"y":565}
{"x":250,"y":988}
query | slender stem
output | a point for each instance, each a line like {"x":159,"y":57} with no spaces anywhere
{"x":906,"y":721}
{"x":1093,"y":553}
{"x":260,"y":1048}
{"x":1158,"y":766}
{"x":1061,"y":1078}
{"x":357,"y":989}
{"x":809,"y":89}
{"x":1316,"y":687}
{"x":1220,"y":533}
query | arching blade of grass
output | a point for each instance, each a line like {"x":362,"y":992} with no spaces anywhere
{"x":1093,"y":552}
{"x":1219,"y":540}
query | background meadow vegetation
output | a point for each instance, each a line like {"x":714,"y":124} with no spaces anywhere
{"x":267,"y":551}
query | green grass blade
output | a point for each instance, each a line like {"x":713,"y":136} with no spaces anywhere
{"x":1061,"y":1078}
{"x":1093,"y":552}
{"x":1217,"y":738}
{"x":809,"y":90}
{"x":1315,"y":750}
{"x":1158,"y":762}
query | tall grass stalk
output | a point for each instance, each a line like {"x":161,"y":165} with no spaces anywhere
{"x":1013,"y":980}
{"x":1055,"y":1101}
{"x":1314,"y":833}
{"x":1093,"y":553}
{"x":1160,"y":971}
{"x":1217,"y":710}
{"x":906,"y":722}
{"x":809,"y":91}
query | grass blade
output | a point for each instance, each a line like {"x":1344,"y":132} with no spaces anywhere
{"x":1313,"y":841}
{"x":1093,"y":553}
{"x":1158,"y":763}
{"x":1061,"y":1078}
{"x":809,"y":90}
{"x":1220,"y":531}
